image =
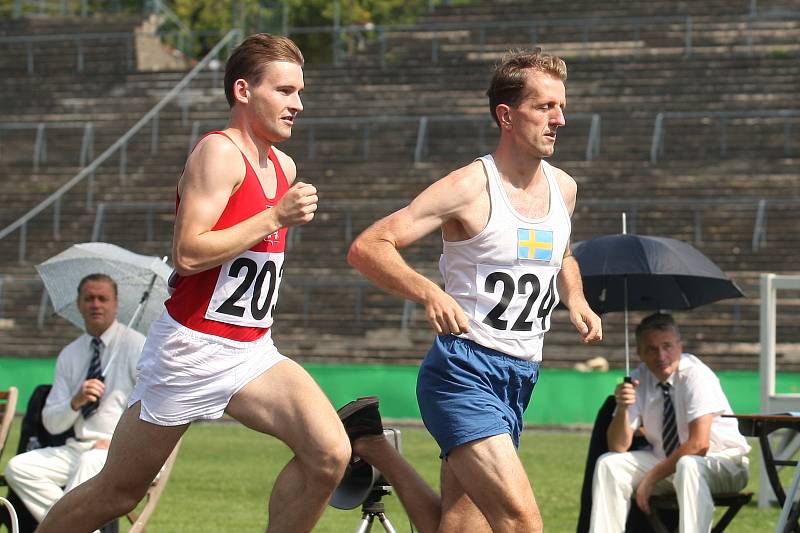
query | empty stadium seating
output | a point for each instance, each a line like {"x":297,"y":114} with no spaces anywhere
{"x":358,"y":142}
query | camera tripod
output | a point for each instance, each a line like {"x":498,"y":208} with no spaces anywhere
{"x":373,"y":508}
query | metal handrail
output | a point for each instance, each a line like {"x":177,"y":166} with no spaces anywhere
{"x":40,"y":145}
{"x":631,"y":206}
{"x":534,"y":26}
{"x":161,"y":7}
{"x":150,"y":207}
{"x":64,"y":37}
{"x":120,"y":145}
{"x":471,"y":25}
{"x":423,"y":123}
{"x":760,"y":228}
{"x":657,"y":142}
{"x":30,"y":40}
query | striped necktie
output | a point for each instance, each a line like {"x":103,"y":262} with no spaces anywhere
{"x":95,"y":372}
{"x":669,"y":429}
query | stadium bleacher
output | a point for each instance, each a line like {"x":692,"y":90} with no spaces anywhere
{"x":358,"y":141}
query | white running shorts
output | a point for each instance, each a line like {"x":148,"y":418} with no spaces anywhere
{"x":184,"y":375}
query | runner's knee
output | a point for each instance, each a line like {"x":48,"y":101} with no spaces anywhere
{"x":329,"y":462}
{"x":118,"y":495}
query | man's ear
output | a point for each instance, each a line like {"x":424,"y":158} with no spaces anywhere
{"x":503,"y":113}
{"x":241,"y":91}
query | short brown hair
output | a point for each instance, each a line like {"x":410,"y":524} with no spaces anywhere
{"x":659,"y":322}
{"x":508,"y":79}
{"x":249,"y":58}
{"x":98,"y":277}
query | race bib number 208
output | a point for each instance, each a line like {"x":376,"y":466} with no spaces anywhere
{"x":247,"y":289}
{"x":515,"y":300}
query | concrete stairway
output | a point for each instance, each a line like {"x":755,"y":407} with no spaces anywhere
{"x":327,"y":312}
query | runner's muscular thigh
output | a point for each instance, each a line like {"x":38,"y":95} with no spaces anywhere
{"x":489,"y":465}
{"x":285,"y":402}
{"x":138,"y":450}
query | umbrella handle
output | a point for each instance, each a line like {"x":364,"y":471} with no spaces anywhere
{"x":133,"y":321}
{"x":627,"y":379}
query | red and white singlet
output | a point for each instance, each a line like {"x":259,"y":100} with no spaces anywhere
{"x":236,"y":300}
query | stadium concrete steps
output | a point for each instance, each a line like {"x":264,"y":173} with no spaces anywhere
{"x":627,"y":93}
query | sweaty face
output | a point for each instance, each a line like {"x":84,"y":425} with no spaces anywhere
{"x":661,"y":351}
{"x":539,"y":113}
{"x":275,"y":100}
{"x":98,"y":306}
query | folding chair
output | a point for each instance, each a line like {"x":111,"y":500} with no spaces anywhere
{"x":8,"y":406}
{"x":732,"y":500}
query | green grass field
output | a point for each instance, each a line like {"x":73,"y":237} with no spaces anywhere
{"x":224,"y":472}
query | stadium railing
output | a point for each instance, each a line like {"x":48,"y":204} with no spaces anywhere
{"x":149,"y":208}
{"x":723,"y":117}
{"x":40,"y":143}
{"x":119,"y":147}
{"x":82,"y":43}
{"x":368,"y":124}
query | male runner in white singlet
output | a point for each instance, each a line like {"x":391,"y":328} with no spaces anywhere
{"x":212,"y":351}
{"x":505,"y":222}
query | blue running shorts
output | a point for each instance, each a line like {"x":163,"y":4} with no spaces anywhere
{"x":468,"y":392}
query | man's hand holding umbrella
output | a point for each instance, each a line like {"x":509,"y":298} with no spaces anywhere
{"x":91,"y":391}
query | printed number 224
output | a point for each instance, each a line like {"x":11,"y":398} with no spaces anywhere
{"x":526,"y":282}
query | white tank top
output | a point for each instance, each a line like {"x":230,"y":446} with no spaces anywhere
{"x":504,"y":278}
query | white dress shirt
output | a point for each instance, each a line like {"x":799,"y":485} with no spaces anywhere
{"x":695,"y":392}
{"x":119,"y":343}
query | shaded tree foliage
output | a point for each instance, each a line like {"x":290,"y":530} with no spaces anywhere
{"x":211,"y":19}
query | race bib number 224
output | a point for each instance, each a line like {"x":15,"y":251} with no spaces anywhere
{"x":515,"y":299}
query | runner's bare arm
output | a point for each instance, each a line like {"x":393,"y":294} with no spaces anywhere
{"x":213,"y":172}
{"x":570,"y":286}
{"x":375,"y":252}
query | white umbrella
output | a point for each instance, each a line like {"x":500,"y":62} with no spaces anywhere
{"x":141,"y":281}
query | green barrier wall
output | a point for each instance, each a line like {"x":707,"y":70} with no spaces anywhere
{"x":561,"y":396}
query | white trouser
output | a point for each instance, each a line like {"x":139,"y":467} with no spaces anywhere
{"x":617,"y":474}
{"x":41,"y":477}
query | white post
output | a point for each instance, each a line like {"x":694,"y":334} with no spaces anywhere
{"x":771,"y":401}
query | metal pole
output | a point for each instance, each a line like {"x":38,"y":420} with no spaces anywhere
{"x":422,"y":139}
{"x":687,"y":45}
{"x":57,"y":219}
{"x":23,"y":242}
{"x":625,"y":297}
{"x":337,"y":20}
{"x":154,"y":134}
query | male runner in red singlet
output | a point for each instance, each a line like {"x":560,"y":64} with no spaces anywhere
{"x":212,"y":352}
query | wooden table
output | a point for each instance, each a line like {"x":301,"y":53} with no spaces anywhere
{"x":761,"y":426}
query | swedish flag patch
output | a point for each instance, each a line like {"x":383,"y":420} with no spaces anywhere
{"x":536,"y":244}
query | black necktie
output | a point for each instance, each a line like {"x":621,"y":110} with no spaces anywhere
{"x":669,"y":429}
{"x":95,"y":372}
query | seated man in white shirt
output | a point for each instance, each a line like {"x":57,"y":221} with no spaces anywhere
{"x":87,"y":394}
{"x":676,"y":401}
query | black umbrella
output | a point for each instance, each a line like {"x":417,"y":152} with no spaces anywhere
{"x":637,"y":272}
{"x":661,"y":273}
